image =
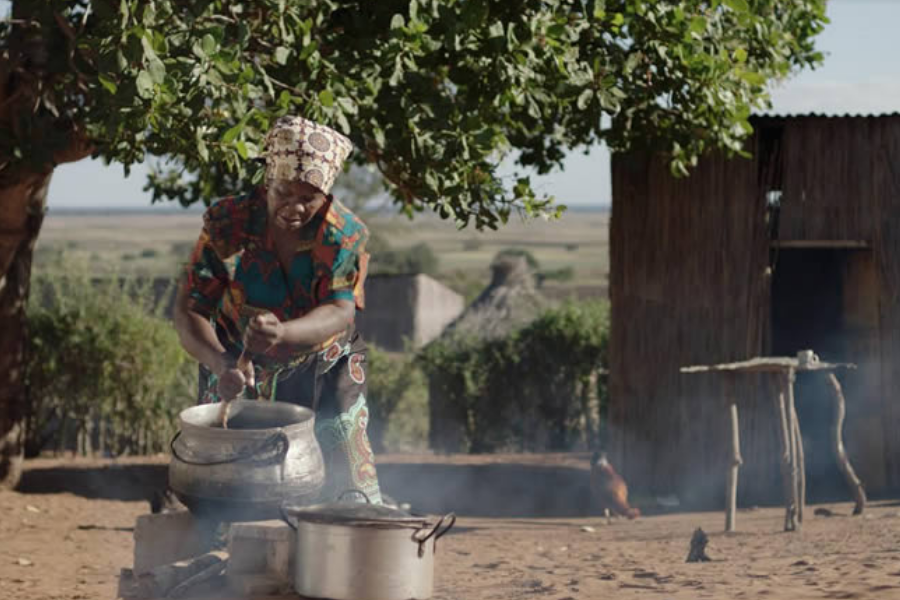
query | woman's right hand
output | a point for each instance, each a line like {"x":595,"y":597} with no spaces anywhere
{"x":233,"y":377}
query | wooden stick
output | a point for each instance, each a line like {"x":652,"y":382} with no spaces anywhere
{"x":801,"y":467}
{"x":732,"y":475}
{"x":856,"y":486}
{"x":784,"y":438}
{"x":794,"y":450}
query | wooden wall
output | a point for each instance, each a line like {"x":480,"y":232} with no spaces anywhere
{"x":690,"y":283}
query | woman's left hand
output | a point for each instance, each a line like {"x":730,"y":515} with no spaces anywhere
{"x":263,"y":332}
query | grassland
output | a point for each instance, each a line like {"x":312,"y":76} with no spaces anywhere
{"x":155,"y":243}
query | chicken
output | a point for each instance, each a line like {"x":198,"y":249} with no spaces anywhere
{"x":608,"y":489}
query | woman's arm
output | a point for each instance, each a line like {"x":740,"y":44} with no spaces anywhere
{"x":197,"y":334}
{"x":308,"y":331}
{"x":199,"y":339}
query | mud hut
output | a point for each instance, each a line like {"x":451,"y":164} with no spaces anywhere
{"x":797,"y":247}
{"x":511,"y":300}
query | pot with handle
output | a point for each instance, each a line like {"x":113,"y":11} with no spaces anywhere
{"x":361,"y":551}
{"x":268,"y":455}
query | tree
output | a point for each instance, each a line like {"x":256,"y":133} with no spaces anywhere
{"x":432,"y":92}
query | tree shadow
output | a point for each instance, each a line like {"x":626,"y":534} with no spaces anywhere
{"x":499,"y":490}
{"x":128,"y":482}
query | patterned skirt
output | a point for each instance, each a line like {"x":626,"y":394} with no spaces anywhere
{"x":333,"y":384}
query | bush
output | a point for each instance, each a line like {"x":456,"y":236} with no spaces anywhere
{"x":397,"y":399}
{"x":540,"y":388}
{"x":533,"y":263}
{"x":105,"y":373}
{"x":410,"y":261}
{"x":149,"y":253}
{"x":559,"y":275}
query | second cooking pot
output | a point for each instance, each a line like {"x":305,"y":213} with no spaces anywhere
{"x":354,"y":551}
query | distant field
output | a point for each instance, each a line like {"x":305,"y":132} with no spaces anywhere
{"x":150,"y":244}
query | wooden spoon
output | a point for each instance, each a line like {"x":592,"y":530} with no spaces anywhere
{"x":243,"y":364}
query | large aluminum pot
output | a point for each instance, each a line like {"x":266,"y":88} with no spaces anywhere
{"x":268,"y":455}
{"x":354,"y":551}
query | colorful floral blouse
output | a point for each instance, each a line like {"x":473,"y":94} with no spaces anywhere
{"x":234,"y":272}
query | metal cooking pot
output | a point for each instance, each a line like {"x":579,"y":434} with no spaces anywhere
{"x":354,"y":551}
{"x":268,"y":455}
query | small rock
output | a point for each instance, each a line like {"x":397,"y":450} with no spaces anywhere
{"x":564,"y":549}
{"x":608,"y":576}
{"x":800,"y":563}
{"x":697,"y":552}
{"x":588,"y":529}
{"x":24,"y":562}
{"x":645,"y":575}
{"x":824,"y":512}
{"x":32,"y":509}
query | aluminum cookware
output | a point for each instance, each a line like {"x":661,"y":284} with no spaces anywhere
{"x":360,"y":551}
{"x":268,"y":455}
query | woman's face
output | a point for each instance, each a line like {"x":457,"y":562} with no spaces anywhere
{"x":292,"y":204}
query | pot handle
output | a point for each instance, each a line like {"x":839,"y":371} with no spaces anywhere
{"x":286,"y":517}
{"x":354,"y":491}
{"x":278,"y":440}
{"x":435,"y":532}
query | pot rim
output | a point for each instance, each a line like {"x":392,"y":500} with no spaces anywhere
{"x":305,"y":415}
{"x":316,"y":514}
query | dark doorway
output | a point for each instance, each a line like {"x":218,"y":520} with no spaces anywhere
{"x":815,"y":305}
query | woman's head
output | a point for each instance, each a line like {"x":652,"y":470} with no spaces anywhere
{"x":298,"y":150}
{"x":292,"y":204}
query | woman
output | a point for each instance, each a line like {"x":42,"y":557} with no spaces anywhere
{"x":277,"y":276}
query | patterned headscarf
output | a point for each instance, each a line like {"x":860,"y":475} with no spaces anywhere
{"x":299,"y":150}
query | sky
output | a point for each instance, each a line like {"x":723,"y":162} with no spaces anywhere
{"x":861,"y":74}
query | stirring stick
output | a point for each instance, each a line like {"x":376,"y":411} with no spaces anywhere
{"x":243,"y":363}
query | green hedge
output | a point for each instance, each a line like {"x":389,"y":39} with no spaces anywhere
{"x":541,"y":388}
{"x":398,"y":402}
{"x":106,"y":373}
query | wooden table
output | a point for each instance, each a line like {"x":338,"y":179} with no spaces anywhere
{"x":792,"y":459}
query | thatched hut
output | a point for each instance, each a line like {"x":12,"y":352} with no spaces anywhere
{"x":797,"y":247}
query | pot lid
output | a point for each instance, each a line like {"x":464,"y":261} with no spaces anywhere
{"x":356,"y":514}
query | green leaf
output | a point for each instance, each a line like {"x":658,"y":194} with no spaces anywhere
{"x":209,"y":45}
{"x":740,"y":55}
{"x":557,"y":30}
{"x":202,"y":150}
{"x":326,"y":97}
{"x":281,"y":55}
{"x":698,"y":24}
{"x":584,"y":99}
{"x":398,"y":22}
{"x":618,"y":19}
{"x":740,"y":6}
{"x":144,"y":84}
{"x":108,"y":83}
{"x":752,"y":77}
{"x":232,"y":133}
{"x":147,"y":45}
{"x":157,"y":71}
{"x":242,"y":149}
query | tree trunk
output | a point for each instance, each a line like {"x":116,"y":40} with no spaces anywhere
{"x":22,"y":213}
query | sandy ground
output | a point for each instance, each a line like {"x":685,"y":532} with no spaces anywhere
{"x":66,"y":534}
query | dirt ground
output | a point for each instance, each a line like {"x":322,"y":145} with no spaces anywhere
{"x":67,"y":532}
